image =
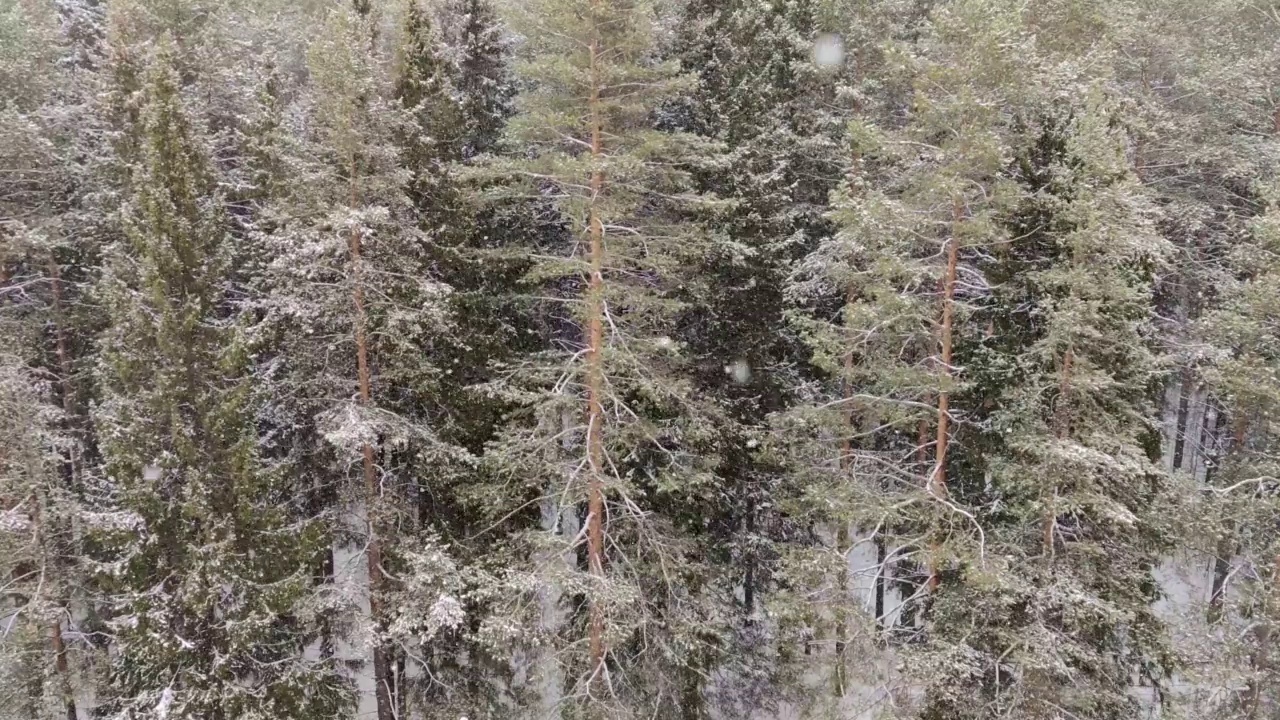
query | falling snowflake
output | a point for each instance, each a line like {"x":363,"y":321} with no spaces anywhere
{"x":740,"y":371}
{"x":828,"y":50}
{"x":166,"y":700}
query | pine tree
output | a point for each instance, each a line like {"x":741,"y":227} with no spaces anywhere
{"x":39,"y":466}
{"x":1057,"y":604}
{"x":884,"y":309}
{"x":206,"y":577}
{"x":355,"y":312}
{"x":813,"y":358}
{"x":47,"y":259}
{"x":602,"y":421}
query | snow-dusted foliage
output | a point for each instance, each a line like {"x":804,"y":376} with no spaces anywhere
{"x":203,"y":589}
{"x":581,"y":359}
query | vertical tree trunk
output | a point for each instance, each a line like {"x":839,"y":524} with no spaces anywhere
{"x":846,"y":465}
{"x":62,"y":349}
{"x":842,"y":531}
{"x":1226,"y":547}
{"x":594,"y":364}
{"x":381,"y":666}
{"x":73,"y":465}
{"x":1260,"y":659}
{"x":1061,"y":425}
{"x":58,"y":647}
{"x":937,"y":485}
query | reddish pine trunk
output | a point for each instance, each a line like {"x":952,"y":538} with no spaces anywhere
{"x":381,"y":665}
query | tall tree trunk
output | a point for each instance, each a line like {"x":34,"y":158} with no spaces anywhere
{"x":842,"y":530}
{"x":1223,"y":552}
{"x":381,"y":666}
{"x":1061,"y":426}
{"x":58,"y":646}
{"x":73,"y":464}
{"x":1226,"y":547}
{"x":67,"y":387}
{"x":1181,"y":425}
{"x":937,"y":485}
{"x":846,"y":466}
{"x":594,"y":364}
{"x":1260,"y":659}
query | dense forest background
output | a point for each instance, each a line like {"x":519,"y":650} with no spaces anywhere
{"x":670,"y":360}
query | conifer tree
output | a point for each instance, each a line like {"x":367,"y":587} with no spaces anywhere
{"x":779,"y":163}
{"x":886,"y":307}
{"x":206,"y":576}
{"x":356,"y":312}
{"x":40,"y":462}
{"x":482,"y":257}
{"x":47,"y":259}
{"x":602,"y":419}
{"x":1056,"y":602}
{"x":1206,"y":154}
{"x":773,"y":359}
{"x":1241,"y":501}
{"x":38,"y":520}
{"x":482,"y":72}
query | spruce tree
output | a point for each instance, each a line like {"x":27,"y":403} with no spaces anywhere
{"x":482,"y":72}
{"x":206,"y":574}
{"x":776,"y":110}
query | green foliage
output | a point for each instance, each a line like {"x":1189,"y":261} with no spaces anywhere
{"x":206,"y":563}
{"x":289,"y":286}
